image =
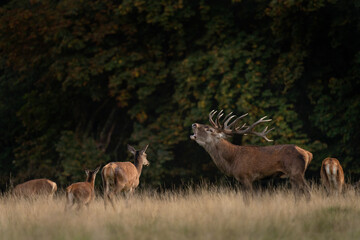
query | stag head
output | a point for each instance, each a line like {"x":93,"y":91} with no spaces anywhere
{"x":205,"y":134}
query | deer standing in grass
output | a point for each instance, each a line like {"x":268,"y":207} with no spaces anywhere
{"x":249,"y":163}
{"x":81,"y":193}
{"x":332,"y":175}
{"x":123,"y":176}
{"x":35,"y":187}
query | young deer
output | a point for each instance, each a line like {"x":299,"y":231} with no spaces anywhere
{"x":332,"y":175}
{"x":123,"y":176}
{"x":81,"y":193}
{"x":249,"y":163}
{"x":35,"y":187}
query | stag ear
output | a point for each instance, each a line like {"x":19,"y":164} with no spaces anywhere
{"x":144,"y":150}
{"x":222,"y":135}
{"x":131,"y":149}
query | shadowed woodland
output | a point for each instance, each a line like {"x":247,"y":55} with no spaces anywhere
{"x":81,"y":79}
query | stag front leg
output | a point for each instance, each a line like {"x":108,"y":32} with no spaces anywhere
{"x":300,"y":187}
{"x":247,"y":189}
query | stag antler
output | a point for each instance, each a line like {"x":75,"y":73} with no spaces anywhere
{"x":232,"y":128}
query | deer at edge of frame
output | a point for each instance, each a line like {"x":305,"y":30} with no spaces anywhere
{"x":332,"y":176}
{"x":35,"y":187}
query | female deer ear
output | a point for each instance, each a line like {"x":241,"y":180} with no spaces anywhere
{"x":87,"y":171}
{"x":97,"y":169}
{"x":131,"y":149}
{"x":144,"y":150}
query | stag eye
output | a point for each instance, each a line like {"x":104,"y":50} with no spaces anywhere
{"x":209,"y":129}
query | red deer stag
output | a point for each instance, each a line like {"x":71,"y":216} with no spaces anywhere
{"x":82,"y":193}
{"x":332,"y":175}
{"x":123,"y":176}
{"x":35,"y":187}
{"x":249,"y":163}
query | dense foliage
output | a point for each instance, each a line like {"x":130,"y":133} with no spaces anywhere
{"x":81,"y":79}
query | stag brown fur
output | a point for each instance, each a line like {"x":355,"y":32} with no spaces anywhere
{"x":249,"y":163}
{"x":81,"y":193}
{"x":332,"y":175}
{"x":123,"y":176}
{"x":35,"y":187}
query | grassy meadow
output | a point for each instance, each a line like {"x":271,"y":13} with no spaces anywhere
{"x":201,"y":213}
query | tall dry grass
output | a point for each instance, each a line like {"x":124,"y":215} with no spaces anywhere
{"x":201,"y":213}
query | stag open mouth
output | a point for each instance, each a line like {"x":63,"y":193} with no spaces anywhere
{"x":193,"y":137}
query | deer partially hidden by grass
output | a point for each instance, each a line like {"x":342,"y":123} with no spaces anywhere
{"x":332,"y":176}
{"x":35,"y":188}
{"x":123,"y":176}
{"x":249,"y":163}
{"x":81,"y":193}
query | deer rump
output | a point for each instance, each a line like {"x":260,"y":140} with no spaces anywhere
{"x":35,"y":187}
{"x":120,"y":175}
{"x":332,"y":175}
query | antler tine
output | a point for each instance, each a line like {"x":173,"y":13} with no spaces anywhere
{"x":236,"y":120}
{"x":248,"y":130}
{"x":262,"y":119}
{"x":232,"y":128}
{"x":218,"y":119}
{"x":211,"y":115}
{"x":227,"y":116}
{"x":242,"y":127}
{"x":264,"y":133}
{"x":228,"y":120}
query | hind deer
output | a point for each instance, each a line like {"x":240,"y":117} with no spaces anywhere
{"x":123,"y":176}
{"x":35,"y":187}
{"x":249,"y":163}
{"x":81,"y":193}
{"x":332,"y":176}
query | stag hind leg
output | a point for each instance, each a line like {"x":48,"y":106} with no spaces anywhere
{"x":301,"y":188}
{"x":247,"y":190}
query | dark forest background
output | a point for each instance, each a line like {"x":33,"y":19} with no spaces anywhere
{"x":81,"y":79}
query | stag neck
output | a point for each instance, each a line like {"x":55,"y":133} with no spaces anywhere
{"x":223,"y":154}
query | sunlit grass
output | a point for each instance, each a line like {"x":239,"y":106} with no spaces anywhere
{"x":197,"y":213}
